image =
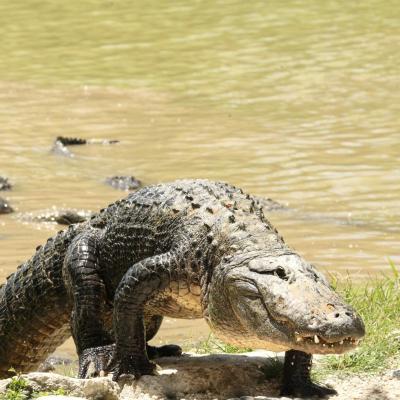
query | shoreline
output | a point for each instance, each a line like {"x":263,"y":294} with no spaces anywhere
{"x":201,"y":377}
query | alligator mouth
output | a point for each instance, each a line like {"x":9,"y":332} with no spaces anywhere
{"x":319,"y":344}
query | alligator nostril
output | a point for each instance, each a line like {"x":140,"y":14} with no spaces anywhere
{"x":337,"y":315}
{"x":349,"y":314}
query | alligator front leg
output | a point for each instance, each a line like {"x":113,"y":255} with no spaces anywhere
{"x":296,"y":377}
{"x":87,"y":291}
{"x":141,"y":282}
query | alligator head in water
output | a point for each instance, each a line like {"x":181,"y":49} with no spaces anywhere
{"x":280,"y":302}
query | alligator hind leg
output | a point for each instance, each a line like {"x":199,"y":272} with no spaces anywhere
{"x":87,"y":292}
{"x":153,"y":324}
{"x":296,"y":377}
{"x":168,"y":350}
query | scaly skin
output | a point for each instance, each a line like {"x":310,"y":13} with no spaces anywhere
{"x":188,"y":249}
{"x":34,"y":311}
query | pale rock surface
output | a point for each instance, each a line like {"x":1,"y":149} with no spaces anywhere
{"x":208,"y":377}
{"x":186,"y":377}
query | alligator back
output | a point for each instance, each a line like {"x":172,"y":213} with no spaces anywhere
{"x":34,"y":312}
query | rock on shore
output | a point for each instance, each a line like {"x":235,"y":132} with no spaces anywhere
{"x":220,"y":376}
{"x":190,"y":377}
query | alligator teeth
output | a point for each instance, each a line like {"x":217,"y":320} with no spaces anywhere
{"x":341,"y":342}
{"x":316,"y":340}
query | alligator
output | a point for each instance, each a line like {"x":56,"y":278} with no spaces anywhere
{"x":187,"y":249}
{"x":269,"y":204}
{"x":5,"y":184}
{"x":55,"y":215}
{"x":61,"y":143}
{"x":5,"y":207}
{"x":123,"y":182}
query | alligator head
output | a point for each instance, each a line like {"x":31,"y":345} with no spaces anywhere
{"x":280,"y":303}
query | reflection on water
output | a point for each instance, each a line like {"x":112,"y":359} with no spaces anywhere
{"x":296,"y":101}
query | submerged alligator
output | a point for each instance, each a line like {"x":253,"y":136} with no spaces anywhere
{"x":188,"y":249}
{"x":123,"y":182}
{"x":5,"y":207}
{"x":61,"y":143}
{"x":54,"y":215}
{"x":5,"y":184}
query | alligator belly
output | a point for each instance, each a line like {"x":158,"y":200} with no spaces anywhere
{"x":177,"y":301}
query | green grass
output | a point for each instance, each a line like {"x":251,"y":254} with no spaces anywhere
{"x":19,"y":389}
{"x":213,"y":345}
{"x":70,"y":370}
{"x":378,"y":303}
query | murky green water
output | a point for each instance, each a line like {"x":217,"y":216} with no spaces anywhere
{"x":298,"y":101}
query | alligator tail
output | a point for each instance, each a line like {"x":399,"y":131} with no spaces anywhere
{"x":34,"y":312}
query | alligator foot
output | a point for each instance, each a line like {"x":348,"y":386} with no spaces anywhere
{"x":169,"y":350}
{"x":98,"y":358}
{"x":296,"y":377}
{"x":130,"y":364}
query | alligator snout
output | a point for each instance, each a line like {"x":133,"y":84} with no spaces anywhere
{"x":342,"y":322}
{"x":335,"y":329}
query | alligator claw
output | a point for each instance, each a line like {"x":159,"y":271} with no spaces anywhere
{"x":98,"y":357}
{"x":128,"y":364}
{"x":307,"y":390}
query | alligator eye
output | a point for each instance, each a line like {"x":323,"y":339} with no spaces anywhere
{"x":281,"y":273}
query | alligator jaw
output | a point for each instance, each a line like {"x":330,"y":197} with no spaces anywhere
{"x":321,"y":345}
